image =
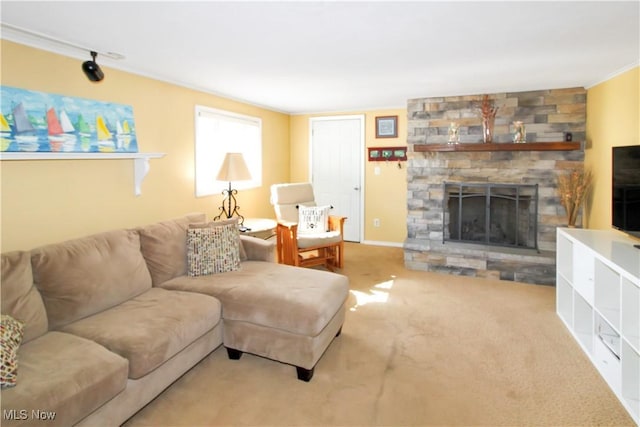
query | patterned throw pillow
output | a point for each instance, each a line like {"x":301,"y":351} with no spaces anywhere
{"x":213,"y":248}
{"x":11,"y":332}
{"x":313,"y":219}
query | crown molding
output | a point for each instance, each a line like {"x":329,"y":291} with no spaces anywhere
{"x":614,"y":74}
{"x":53,"y":44}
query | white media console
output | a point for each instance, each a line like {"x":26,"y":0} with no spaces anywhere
{"x":598,"y":299}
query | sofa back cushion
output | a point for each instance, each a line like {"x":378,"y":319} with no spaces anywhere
{"x":20,"y":298}
{"x":164,"y":246}
{"x":81,"y":277}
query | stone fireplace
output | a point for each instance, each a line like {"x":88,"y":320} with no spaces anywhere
{"x":527,"y":172}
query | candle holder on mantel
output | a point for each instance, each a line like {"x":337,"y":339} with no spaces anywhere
{"x":519,"y":132}
{"x":454,"y":133}
{"x":488,"y":119}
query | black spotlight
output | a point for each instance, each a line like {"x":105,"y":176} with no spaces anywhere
{"x":92,"y":70}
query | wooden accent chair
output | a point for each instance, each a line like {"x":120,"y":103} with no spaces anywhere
{"x":298,"y":244}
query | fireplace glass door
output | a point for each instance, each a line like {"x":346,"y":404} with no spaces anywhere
{"x":492,"y":214}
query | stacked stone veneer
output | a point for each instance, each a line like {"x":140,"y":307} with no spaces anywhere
{"x":548,"y":115}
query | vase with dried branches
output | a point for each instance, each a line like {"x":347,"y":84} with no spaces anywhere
{"x":573,"y":187}
{"x":488,"y":119}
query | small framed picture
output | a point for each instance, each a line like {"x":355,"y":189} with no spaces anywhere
{"x":387,"y":127}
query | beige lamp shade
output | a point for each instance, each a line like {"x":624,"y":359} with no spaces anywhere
{"x":233,"y":168}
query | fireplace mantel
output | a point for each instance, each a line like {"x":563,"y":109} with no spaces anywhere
{"x":506,"y":146}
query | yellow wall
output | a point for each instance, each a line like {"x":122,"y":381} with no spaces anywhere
{"x":385,"y":194}
{"x":613,"y":119}
{"x":49,"y":201}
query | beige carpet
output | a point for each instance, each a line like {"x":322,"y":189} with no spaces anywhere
{"x":417,"y":349}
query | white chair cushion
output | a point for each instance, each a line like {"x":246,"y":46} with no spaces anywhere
{"x":291,"y":194}
{"x":320,"y":239}
{"x":286,"y":198}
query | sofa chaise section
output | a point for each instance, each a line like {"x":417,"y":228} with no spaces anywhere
{"x":285,"y":313}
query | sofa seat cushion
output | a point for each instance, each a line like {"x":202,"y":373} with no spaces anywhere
{"x":318,"y":239}
{"x":298,"y":300}
{"x":66,"y":375}
{"x":150,"y":328}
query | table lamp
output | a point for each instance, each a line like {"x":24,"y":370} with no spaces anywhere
{"x":233,"y":168}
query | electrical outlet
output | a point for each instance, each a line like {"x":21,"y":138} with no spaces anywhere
{"x":376,"y":222}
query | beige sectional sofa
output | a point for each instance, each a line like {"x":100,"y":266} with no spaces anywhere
{"x":111,"y":320}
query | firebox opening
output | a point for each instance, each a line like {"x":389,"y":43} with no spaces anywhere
{"x":492,"y":214}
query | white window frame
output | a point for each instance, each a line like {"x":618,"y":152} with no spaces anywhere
{"x":212,"y":142}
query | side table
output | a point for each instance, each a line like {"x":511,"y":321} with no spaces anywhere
{"x":262,"y":228}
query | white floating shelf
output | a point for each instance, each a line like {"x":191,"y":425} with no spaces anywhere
{"x":140,"y":161}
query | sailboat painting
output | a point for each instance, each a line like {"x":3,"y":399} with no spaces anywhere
{"x":42,"y":122}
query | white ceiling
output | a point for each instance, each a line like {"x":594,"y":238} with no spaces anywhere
{"x":321,"y":56}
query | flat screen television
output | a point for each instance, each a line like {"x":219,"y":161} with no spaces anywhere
{"x":625,"y":205}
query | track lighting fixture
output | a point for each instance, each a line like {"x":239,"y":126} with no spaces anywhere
{"x":92,"y":69}
{"x":44,"y":41}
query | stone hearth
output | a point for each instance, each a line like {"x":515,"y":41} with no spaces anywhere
{"x":547,"y":115}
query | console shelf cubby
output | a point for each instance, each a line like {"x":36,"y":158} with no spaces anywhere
{"x":598,"y":299}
